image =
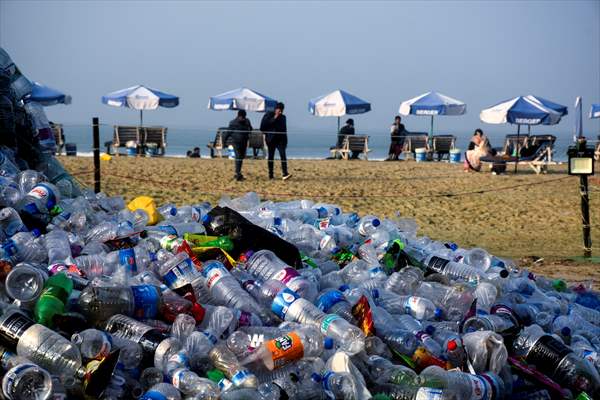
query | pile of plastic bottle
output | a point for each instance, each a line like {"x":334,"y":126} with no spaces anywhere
{"x":104,"y":300}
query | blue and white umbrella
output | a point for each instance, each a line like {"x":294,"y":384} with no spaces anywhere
{"x":46,"y":96}
{"x":140,"y":98}
{"x":524,"y":110}
{"x":595,"y":111}
{"x":432,"y":104}
{"x":338,"y":104}
{"x":242,"y":99}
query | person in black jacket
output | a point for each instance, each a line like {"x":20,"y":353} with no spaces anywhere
{"x":239,"y":128}
{"x":345,"y":130}
{"x":274,"y":126}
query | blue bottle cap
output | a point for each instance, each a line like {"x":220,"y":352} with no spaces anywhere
{"x":206,"y":219}
{"x":565,"y":331}
{"x":276,"y":221}
{"x":322,"y":212}
{"x":36,"y":232}
{"x":173,"y":211}
{"x":316,"y":377}
{"x":343,"y":288}
{"x":376,"y":222}
{"x":438,"y":313}
{"x":430,"y":329}
{"x":328,"y":343}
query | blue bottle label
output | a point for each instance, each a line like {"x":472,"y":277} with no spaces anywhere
{"x":127,"y":260}
{"x":9,"y":247}
{"x":375,"y":271}
{"x":45,"y":193}
{"x":327,"y":300}
{"x":214,"y":272}
{"x":146,"y":301}
{"x":239,"y":377}
{"x":167,"y":229}
{"x":177,"y":275}
{"x":153,"y":395}
{"x":283,"y":301}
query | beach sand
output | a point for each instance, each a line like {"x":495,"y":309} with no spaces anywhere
{"x":532,"y":218}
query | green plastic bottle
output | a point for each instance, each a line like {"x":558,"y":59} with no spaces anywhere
{"x":223,"y":242}
{"x":52,"y":301}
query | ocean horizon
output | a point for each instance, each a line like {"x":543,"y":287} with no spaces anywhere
{"x":302,"y":143}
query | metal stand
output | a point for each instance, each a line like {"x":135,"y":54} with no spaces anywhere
{"x":96,"y":138}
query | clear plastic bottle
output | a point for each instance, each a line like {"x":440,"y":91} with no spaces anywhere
{"x":226,"y":290}
{"x":478,"y":258}
{"x":264,"y":265}
{"x":275,"y":353}
{"x":57,"y":245}
{"x":40,"y":199}
{"x":368,"y":225}
{"x":93,"y":343}
{"x":419,"y":307}
{"x":190,"y":384}
{"x":339,"y":385}
{"x":456,"y":270}
{"x":22,"y":379}
{"x":466,"y":386}
{"x":382,"y":370}
{"x":404,"y":282}
{"x":41,"y":345}
{"x":24,"y":246}
{"x":147,"y":337}
{"x":99,"y":303}
{"x":25,"y":284}
{"x":109,"y":230}
{"x":332,"y":301}
{"x":10,"y":222}
{"x":223,"y":359}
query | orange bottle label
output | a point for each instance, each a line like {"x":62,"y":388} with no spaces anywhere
{"x":285,"y":349}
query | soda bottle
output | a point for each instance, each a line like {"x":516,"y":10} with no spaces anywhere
{"x":23,"y":380}
{"x":52,"y":301}
{"x":223,"y":242}
{"x":25,"y":283}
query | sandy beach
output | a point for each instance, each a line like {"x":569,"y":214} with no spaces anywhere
{"x":532,"y":218}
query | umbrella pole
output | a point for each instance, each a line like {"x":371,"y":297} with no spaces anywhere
{"x":338,"y":131}
{"x":431,"y":131}
{"x":141,"y":117}
{"x":517,"y":146}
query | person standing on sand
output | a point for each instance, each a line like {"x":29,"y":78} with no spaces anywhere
{"x":274,"y":126}
{"x":239,"y":128}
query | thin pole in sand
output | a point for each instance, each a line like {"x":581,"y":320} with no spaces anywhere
{"x":517,"y":146}
{"x":141,"y":118}
{"x":96,"y":137}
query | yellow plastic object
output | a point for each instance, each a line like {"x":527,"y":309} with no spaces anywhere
{"x":105,"y":157}
{"x":147,"y":204}
{"x":201,"y":250}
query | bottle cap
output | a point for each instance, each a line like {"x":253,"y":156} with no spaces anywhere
{"x":376,"y":222}
{"x":381,"y":396}
{"x":343,"y":288}
{"x":328,"y":343}
{"x":206,"y":219}
{"x":276,"y":221}
{"x":215,"y":375}
{"x":565,"y":331}
{"x":36,"y":232}
{"x":438,"y":313}
{"x":430,"y":329}
{"x":504,"y":273}
{"x":452,"y":345}
{"x":173,"y":211}
{"x":316,"y":377}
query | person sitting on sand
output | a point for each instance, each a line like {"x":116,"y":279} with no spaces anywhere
{"x":397,"y":133}
{"x":195,"y":153}
{"x":478,"y":147}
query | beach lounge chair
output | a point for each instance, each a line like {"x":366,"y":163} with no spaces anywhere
{"x":513,"y":144}
{"x":415,"y":141}
{"x":597,"y":152}
{"x":256,"y":141}
{"x":537,"y":154}
{"x":216,"y":146}
{"x":157,"y":135}
{"x":352,"y":143}
{"x":124,"y":134}
{"x":59,"y":136}
{"x":442,"y":144}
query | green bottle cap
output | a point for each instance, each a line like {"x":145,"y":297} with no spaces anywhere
{"x":559,"y":285}
{"x":381,"y":396}
{"x":583,"y":396}
{"x":215,"y":375}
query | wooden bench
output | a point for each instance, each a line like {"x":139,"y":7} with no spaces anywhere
{"x":155,"y":134}
{"x":124,"y":134}
{"x":256,"y":141}
{"x":442,"y":144}
{"x":216,"y":146}
{"x":415,"y":141}
{"x":59,"y":137}
{"x":350,"y":144}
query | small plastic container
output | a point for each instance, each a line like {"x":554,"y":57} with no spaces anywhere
{"x":455,"y":156}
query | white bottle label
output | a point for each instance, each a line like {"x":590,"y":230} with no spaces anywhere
{"x":425,"y":393}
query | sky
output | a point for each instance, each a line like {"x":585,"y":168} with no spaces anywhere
{"x":384,"y":52}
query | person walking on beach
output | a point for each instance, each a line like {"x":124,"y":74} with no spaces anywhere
{"x":397,"y":133}
{"x":239,"y":128}
{"x":274,"y":126}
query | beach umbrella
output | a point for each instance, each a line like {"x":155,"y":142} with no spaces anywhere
{"x":524,"y":110}
{"x":338,"y":104}
{"x":595,"y":111}
{"x":140,"y":98}
{"x":432,"y":104}
{"x":242,"y":99}
{"x":46,"y":96}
